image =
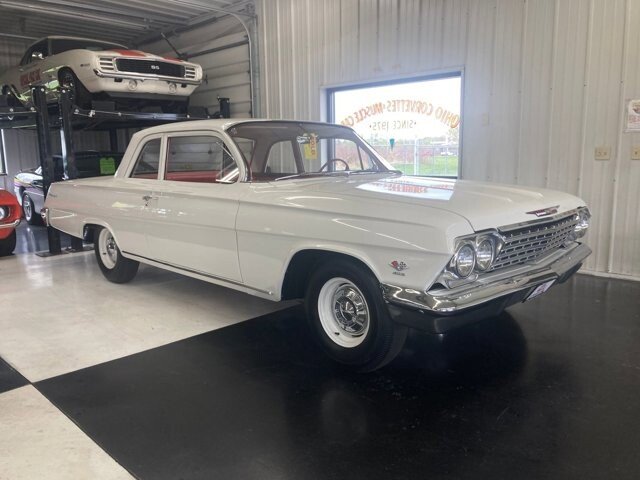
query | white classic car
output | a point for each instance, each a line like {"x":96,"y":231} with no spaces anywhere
{"x":94,"y":69}
{"x":286,"y":210}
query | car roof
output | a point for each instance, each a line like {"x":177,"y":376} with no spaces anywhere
{"x":220,"y":124}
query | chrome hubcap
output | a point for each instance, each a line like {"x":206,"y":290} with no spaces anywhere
{"x":343,"y":312}
{"x":107,"y":248}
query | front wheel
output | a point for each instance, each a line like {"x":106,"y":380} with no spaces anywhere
{"x":114,"y":266}
{"x":79,"y":95}
{"x":349,"y":318}
{"x":8,"y":245}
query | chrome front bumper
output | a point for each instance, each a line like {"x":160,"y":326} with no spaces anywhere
{"x":146,"y":76}
{"x":528,"y":276}
{"x":13,"y":224}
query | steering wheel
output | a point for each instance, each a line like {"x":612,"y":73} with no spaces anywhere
{"x":334,"y":160}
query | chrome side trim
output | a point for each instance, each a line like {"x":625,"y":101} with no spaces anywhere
{"x":197,"y":272}
{"x":476,"y":293}
{"x":10,"y":225}
{"x":145,"y":76}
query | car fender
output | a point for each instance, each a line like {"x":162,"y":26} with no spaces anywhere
{"x":398,"y":251}
{"x":82,"y":63}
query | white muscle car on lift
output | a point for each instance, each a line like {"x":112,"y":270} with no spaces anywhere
{"x":285,"y":210}
{"x":95,"y":69}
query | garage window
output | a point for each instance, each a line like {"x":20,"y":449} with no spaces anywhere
{"x":413,"y":123}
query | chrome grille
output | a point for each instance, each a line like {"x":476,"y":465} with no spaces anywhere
{"x":190,"y":72}
{"x":106,"y":64}
{"x":524,"y":244}
{"x":150,"y":67}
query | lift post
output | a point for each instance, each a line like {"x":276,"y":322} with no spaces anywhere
{"x":46,"y":159}
{"x":68,"y":150}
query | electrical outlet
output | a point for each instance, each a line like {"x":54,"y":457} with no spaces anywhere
{"x":635,"y":152}
{"x":603,"y":153}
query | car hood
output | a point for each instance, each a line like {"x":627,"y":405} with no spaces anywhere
{"x":484,"y":205}
{"x":139,"y":54}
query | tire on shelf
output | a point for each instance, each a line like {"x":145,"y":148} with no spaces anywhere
{"x":348,"y":316}
{"x":114,"y":266}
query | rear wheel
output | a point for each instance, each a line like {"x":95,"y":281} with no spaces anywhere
{"x":12,"y":100}
{"x":114,"y":266}
{"x":30,"y":215}
{"x":349,"y":318}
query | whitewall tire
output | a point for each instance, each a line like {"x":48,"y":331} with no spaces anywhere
{"x":114,"y":266}
{"x":348,"y":317}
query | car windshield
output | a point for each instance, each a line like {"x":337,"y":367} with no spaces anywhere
{"x":64,"y":45}
{"x":279,"y":150}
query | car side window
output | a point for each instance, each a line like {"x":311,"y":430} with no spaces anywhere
{"x":200,"y":159}
{"x":40,"y":47}
{"x":148,"y":162}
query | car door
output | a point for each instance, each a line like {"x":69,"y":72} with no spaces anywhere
{"x":197,"y":207}
{"x":134,"y":201}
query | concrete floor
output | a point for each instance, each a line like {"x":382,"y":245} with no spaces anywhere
{"x":142,"y":380}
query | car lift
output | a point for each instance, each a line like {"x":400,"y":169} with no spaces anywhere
{"x":66,"y":117}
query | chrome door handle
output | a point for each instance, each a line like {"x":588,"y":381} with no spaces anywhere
{"x":147,"y":198}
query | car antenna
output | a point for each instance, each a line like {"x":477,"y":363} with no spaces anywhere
{"x":181,"y":56}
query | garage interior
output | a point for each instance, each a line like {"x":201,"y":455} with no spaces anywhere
{"x":173,"y":377}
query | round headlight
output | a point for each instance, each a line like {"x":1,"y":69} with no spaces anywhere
{"x":4,"y":213}
{"x":583,"y":223}
{"x":465,"y":260}
{"x":484,"y":254}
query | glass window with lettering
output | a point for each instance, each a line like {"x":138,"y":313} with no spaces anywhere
{"x":413,"y":123}
{"x":148,"y":161}
{"x":200,"y":159}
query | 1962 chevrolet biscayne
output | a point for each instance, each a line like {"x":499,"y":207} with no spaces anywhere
{"x":285,"y":210}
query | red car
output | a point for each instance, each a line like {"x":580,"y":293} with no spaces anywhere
{"x":10,"y":214}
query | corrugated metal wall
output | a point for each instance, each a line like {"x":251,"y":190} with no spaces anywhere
{"x":222,"y":49}
{"x":545,"y":82}
{"x":11,"y":51}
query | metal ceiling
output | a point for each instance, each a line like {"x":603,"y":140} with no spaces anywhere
{"x":124,"y":21}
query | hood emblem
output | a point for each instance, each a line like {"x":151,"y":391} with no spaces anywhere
{"x":543,"y":212}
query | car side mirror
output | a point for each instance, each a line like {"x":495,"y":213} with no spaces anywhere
{"x":37,"y":55}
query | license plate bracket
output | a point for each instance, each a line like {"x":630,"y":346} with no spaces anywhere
{"x":540,"y":289}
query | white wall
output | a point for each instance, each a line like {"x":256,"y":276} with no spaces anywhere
{"x":545,"y":83}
